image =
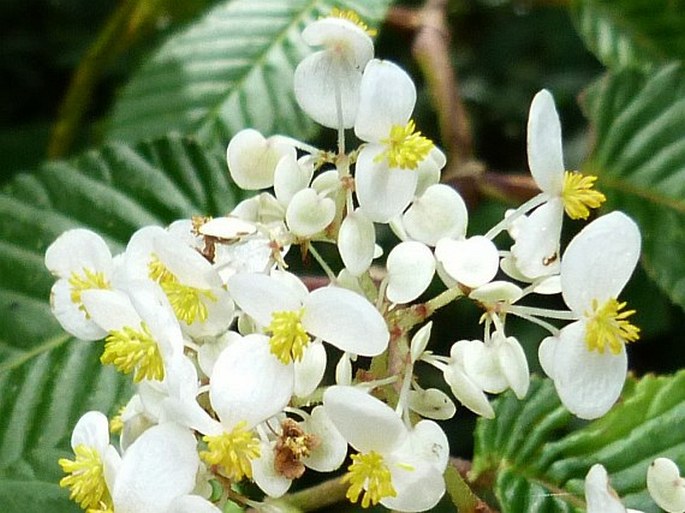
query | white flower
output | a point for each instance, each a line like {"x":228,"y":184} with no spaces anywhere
{"x":282,"y":305}
{"x":159,"y":467}
{"x":588,"y":360}
{"x":314,"y":443}
{"x":388,"y":166}
{"x":190,"y":282}
{"x":666,"y":486}
{"x":81,"y":261}
{"x":95,"y":460}
{"x":600,"y":497}
{"x":248,"y":386}
{"x":142,"y":332}
{"x":397,"y":466}
{"x":536,"y":249}
{"x":326,"y":83}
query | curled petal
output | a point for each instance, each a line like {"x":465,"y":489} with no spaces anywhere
{"x":308,"y":213}
{"x":666,"y":486}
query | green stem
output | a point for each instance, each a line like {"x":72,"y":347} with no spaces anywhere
{"x":317,"y":497}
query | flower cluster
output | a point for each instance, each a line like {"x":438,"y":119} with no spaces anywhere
{"x":228,"y":349}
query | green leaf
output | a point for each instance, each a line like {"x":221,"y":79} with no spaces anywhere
{"x":48,"y":379}
{"x":639,"y":156}
{"x":636,"y":33}
{"x":538,"y":454}
{"x":231,"y":70}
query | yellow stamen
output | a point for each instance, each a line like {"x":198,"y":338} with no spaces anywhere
{"x":405,"y":148}
{"x":116,"y":423}
{"x":608,"y":327}
{"x":88,"y":280}
{"x":87,"y":478}
{"x":579,"y":196}
{"x":353,"y":17}
{"x":288,"y":337}
{"x":102,"y":508}
{"x":232,"y":451}
{"x":128,"y":349}
{"x":187,"y":302}
{"x":370,"y":476}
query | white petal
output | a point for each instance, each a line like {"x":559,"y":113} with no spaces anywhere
{"x":536,"y":249}
{"x":419,"y":486}
{"x":382,"y":192}
{"x":472,"y":262}
{"x":599,"y":496}
{"x":545,"y":156}
{"x":91,"y":430}
{"x":249,"y":383}
{"x":290,"y":177}
{"x":411,"y":267}
{"x":192,"y":504}
{"x":343,"y":370}
{"x":588,"y":382}
{"x":666,"y":486}
{"x":259,"y":296}
{"x":210,"y":350}
{"x":378,"y":110}
{"x":428,"y":441}
{"x":356,"y":242}
{"x":432,"y":404}
{"x":160,"y":466}
{"x":548,"y":286}
{"x":252,"y":159}
{"x":467,"y":392}
{"x":599,"y":261}
{"x":546,"y":356}
{"x":227,"y":227}
{"x":497,"y":291}
{"x":429,"y":170}
{"x":367,"y":423}
{"x":308,"y":213}
{"x":110,"y":309}
{"x":343,"y":37}
{"x":185,"y":263}
{"x":481,"y":364}
{"x":72,"y":316}
{"x":76,"y":250}
{"x":514,"y":365}
{"x":439,"y":212}
{"x":318,"y":79}
{"x":420,"y":340}
{"x":264,"y":473}
{"x":331,"y":453}
{"x":310,"y":370}
{"x":346,"y":320}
